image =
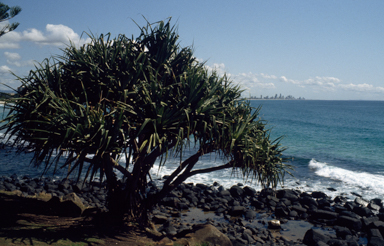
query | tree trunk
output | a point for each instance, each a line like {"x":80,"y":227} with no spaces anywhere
{"x":125,"y":200}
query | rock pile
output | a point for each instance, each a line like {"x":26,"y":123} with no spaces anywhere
{"x":237,"y":210}
{"x":90,"y":194}
{"x":351,"y":222}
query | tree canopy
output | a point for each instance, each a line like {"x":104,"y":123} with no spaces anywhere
{"x":143,"y":99}
{"x":7,"y":13}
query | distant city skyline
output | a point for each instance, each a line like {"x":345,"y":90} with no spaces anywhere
{"x":313,"y":49}
{"x":276,"y":96}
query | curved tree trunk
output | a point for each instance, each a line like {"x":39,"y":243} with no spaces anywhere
{"x":125,"y":199}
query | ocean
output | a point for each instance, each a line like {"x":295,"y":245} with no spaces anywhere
{"x":335,"y":146}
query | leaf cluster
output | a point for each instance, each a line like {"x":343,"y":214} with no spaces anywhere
{"x":7,"y":13}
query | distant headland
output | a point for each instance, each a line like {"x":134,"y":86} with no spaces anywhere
{"x":276,"y":97}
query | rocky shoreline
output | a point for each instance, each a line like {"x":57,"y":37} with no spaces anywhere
{"x":242,"y":215}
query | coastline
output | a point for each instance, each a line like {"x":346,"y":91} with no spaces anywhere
{"x":244,"y":215}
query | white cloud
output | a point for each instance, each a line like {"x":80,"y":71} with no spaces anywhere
{"x":322,"y":83}
{"x":362,"y":88}
{"x":12,"y":56}
{"x":266,"y":76}
{"x":284,"y":79}
{"x":251,"y":80}
{"x":15,"y":60}
{"x":332,"y":84}
{"x":55,"y":35}
{"x":4,"y":69}
{"x":254,"y":82}
{"x":217,"y":67}
{"x":10,"y":40}
{"x":34,"y":35}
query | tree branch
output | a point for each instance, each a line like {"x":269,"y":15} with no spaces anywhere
{"x":211,"y":169}
{"x":192,"y":159}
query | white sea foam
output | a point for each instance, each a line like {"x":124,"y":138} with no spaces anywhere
{"x":368,"y":183}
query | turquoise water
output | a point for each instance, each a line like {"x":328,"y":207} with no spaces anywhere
{"x":332,"y":144}
{"x":347,"y":134}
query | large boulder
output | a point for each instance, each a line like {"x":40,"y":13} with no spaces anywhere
{"x":236,"y":210}
{"x":236,"y":191}
{"x":69,"y":205}
{"x":351,"y":223}
{"x":289,"y":194}
{"x":205,"y":234}
{"x":249,"y":191}
{"x":314,"y":237}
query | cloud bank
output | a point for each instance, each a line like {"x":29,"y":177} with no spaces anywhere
{"x":54,"y":35}
{"x":260,"y":81}
{"x":14,"y":59}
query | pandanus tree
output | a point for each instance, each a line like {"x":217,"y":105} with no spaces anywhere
{"x":143,"y":99}
{"x":7,"y":13}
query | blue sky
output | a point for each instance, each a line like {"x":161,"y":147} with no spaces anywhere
{"x":314,"y":49}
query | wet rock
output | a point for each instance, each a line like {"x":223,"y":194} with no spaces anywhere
{"x":313,"y":237}
{"x":159,"y":219}
{"x":250,"y":214}
{"x":377,"y":225}
{"x":381,"y":216}
{"x":257,"y":204}
{"x":285,"y":202}
{"x":374,"y":206}
{"x":356,"y":194}
{"x":342,"y":232}
{"x":308,"y":201}
{"x":272,"y":201}
{"x":350,"y":214}
{"x":375,"y":241}
{"x":374,"y":233}
{"x":170,"y":230}
{"x":64,"y":185}
{"x":318,"y":194}
{"x":351,"y":223}
{"x":336,"y":242}
{"x":323,"y":203}
{"x":377,"y":201}
{"x":183,"y":229}
{"x":237,"y":210}
{"x":367,"y":221}
{"x":362,"y":211}
{"x":340,"y":199}
{"x":224,"y":193}
{"x":70,"y":205}
{"x":238,"y":241}
{"x":361,"y":202}
{"x":323,"y":214}
{"x":248,"y":237}
{"x":293,"y":214}
{"x":236,"y":191}
{"x":274,"y":224}
{"x":281,"y":212}
{"x":171,"y":202}
{"x":27,"y":188}
{"x":249,"y":191}
{"x":209,"y":233}
{"x":339,"y":209}
{"x":76,"y":188}
{"x":288,"y":194}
